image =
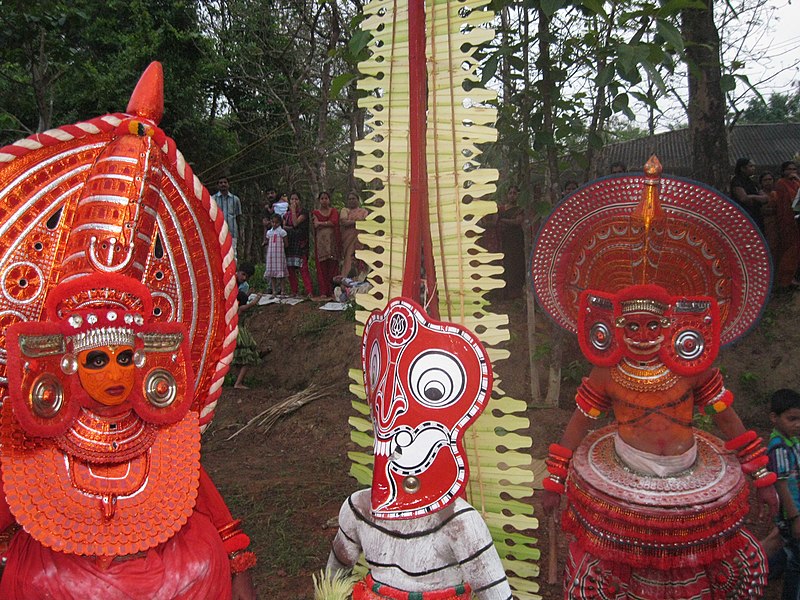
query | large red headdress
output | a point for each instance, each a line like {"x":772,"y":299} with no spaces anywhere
{"x":668,"y":248}
{"x":113,"y":197}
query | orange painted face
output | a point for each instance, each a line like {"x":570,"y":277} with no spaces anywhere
{"x":643,"y":335}
{"x":107,"y":373}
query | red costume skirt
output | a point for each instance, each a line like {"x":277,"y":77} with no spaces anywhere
{"x":367,"y":589}
{"x":191,"y":565}
{"x":640,"y":536}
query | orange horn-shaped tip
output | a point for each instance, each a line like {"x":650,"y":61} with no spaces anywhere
{"x":649,"y":208}
{"x":147,"y":100}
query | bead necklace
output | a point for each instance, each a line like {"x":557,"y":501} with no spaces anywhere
{"x":644,"y":377}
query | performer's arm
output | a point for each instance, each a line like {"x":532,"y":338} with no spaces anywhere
{"x":749,"y":448}
{"x":211,"y":504}
{"x":593,"y":402}
{"x":346,"y":546}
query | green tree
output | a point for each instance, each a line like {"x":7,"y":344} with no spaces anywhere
{"x":777,"y":108}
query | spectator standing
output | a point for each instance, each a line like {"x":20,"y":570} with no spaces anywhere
{"x":618,"y":167}
{"x":787,"y":257}
{"x":296,"y":223}
{"x":784,"y":460}
{"x":276,"y":242}
{"x":569,"y":186}
{"x":766,"y":183}
{"x":231,"y":208}
{"x":326,"y":243}
{"x":347,"y":219}
{"x":745,"y":191}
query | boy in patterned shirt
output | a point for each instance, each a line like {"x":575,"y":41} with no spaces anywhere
{"x":784,"y":460}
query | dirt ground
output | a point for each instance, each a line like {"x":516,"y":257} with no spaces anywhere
{"x":288,"y":483}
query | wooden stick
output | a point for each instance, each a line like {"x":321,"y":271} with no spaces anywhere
{"x":552,"y":562}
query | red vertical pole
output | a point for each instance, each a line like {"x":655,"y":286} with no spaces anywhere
{"x":418,"y":98}
{"x":419,"y":235}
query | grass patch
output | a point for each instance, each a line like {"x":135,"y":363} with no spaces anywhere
{"x":314,"y":324}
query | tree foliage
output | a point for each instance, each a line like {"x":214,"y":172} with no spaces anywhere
{"x":777,"y":108}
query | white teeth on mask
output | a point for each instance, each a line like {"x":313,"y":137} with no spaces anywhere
{"x":382,"y":448}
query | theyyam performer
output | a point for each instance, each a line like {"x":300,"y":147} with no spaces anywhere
{"x":118,"y":323}
{"x":653,"y":274}
{"x":426,"y":382}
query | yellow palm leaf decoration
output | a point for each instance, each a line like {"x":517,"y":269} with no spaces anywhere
{"x":458,"y":120}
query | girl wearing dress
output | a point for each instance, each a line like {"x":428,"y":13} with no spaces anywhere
{"x":276,"y":242}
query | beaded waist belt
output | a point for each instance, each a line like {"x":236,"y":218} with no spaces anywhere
{"x":650,"y":521}
{"x":369,"y":589}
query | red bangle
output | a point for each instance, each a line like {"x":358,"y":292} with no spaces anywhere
{"x":560,"y":451}
{"x":557,"y":470}
{"x":741,"y":440}
{"x":766,"y":480}
{"x":242,"y":561}
{"x":748,"y":448}
{"x":230,"y":529}
{"x":551,"y":485}
{"x":752,"y":466}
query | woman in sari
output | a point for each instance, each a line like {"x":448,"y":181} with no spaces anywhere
{"x":787,"y":254}
{"x":295,"y":222}
{"x":327,"y":242}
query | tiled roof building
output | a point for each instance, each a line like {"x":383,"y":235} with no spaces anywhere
{"x":767,"y":145}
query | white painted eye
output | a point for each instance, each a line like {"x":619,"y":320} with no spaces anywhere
{"x":374,"y":365}
{"x":436,"y":379}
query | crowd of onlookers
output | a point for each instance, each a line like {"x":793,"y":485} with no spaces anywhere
{"x":771,"y":203}
{"x":292,"y":232}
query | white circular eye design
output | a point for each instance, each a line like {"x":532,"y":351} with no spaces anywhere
{"x":374,"y":365}
{"x":436,"y":379}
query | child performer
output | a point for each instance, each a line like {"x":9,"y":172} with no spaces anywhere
{"x":276,"y":242}
{"x":784,"y":460}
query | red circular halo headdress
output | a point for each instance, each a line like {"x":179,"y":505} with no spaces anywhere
{"x":621,"y":231}
{"x":114,"y":196}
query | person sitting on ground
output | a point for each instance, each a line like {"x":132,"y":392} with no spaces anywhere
{"x":784,"y":461}
{"x":246,"y":354}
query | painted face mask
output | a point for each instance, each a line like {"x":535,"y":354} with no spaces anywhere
{"x":107,"y":373}
{"x":644,"y":322}
{"x":426,"y":382}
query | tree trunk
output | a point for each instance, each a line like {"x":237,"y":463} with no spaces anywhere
{"x":547,"y":88}
{"x":706,"y":112}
